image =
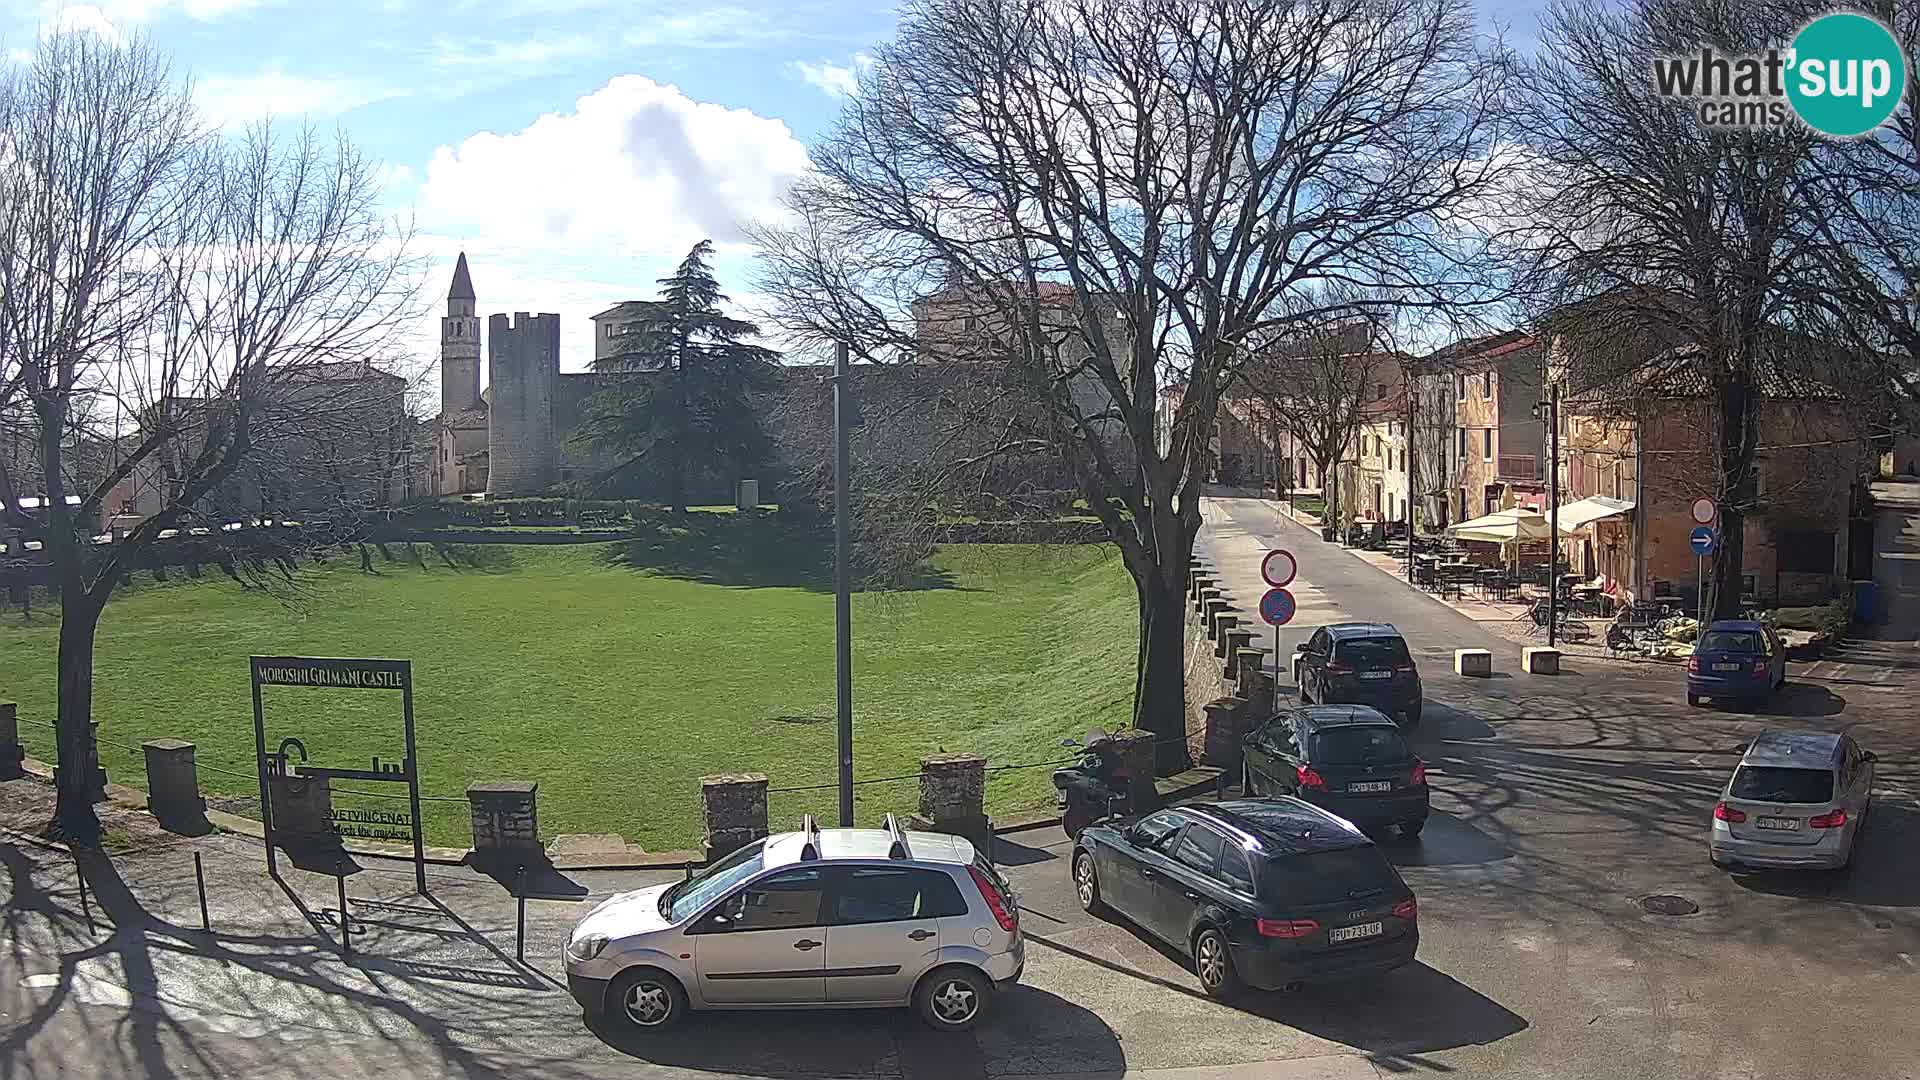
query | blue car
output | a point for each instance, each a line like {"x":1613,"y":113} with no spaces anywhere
{"x":1736,"y":659}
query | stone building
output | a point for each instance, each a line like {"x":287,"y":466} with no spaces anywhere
{"x":1499,"y":450}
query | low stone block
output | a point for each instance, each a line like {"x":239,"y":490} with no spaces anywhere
{"x":1139,"y":751}
{"x":1540,"y":660}
{"x":1235,"y":639}
{"x":1477,"y":663}
{"x":505,"y":817}
{"x":1226,"y":727}
{"x":733,"y":811}
{"x":1243,"y":659}
{"x":1207,"y":592}
{"x":953,"y":787}
{"x":11,"y":752}
{"x":1216,"y":607}
{"x":1256,"y":687}
{"x":1224,"y":625}
{"x":173,"y":787}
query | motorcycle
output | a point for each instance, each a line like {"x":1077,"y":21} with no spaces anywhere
{"x":1099,"y":787}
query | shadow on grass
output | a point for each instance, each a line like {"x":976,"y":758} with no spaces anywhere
{"x":756,"y":550}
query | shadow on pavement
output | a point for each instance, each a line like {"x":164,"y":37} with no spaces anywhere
{"x":1034,"y":850}
{"x":1802,"y":699}
{"x":1440,"y":721}
{"x":858,"y":1042}
{"x":1447,"y":841}
{"x":1883,"y":872}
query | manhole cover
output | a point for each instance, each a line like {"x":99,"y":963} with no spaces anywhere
{"x":1664,"y":904}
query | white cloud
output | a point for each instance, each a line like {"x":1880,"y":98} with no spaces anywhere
{"x":832,"y":79}
{"x":121,"y":13}
{"x":228,"y":100}
{"x":580,"y":210}
{"x":514,"y":55}
{"x":80,"y":18}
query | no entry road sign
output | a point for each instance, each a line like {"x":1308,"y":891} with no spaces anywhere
{"x":1705,"y":511}
{"x":1279,"y":568}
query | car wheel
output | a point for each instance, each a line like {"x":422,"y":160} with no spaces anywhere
{"x":1246,"y":780}
{"x":1086,"y":883}
{"x":645,"y":999}
{"x":1694,"y":700}
{"x":952,"y":998}
{"x":1213,"y":962}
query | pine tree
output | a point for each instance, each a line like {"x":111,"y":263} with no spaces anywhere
{"x":689,"y":374}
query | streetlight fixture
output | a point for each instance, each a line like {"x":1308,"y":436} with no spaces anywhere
{"x":1549,"y":411}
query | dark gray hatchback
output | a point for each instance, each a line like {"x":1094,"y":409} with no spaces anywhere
{"x":1348,"y":759}
{"x":1361,"y":664}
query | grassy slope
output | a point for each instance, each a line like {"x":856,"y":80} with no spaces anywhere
{"x":616,"y":689}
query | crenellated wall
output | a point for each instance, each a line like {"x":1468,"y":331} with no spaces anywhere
{"x":523,"y":364}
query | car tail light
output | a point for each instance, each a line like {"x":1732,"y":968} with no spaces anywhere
{"x":1408,"y":909}
{"x":1418,"y":777}
{"x":1828,"y":821}
{"x":1403,"y":669}
{"x":1307,"y":778}
{"x":1723,"y":812}
{"x":1693,"y":665}
{"x":990,"y":892}
{"x":1286,"y":928}
{"x":1759,"y":665}
{"x":1339,"y":669}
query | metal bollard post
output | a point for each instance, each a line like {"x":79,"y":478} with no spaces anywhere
{"x":346,"y":946}
{"x":520,"y":899}
{"x":200,"y":879}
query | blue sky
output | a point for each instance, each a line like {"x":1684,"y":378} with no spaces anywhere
{"x":574,"y":148}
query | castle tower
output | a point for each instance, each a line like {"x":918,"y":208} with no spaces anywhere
{"x":459,"y":345}
{"x":523,"y":364}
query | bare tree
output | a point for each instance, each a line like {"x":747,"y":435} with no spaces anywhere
{"x":1084,"y":201}
{"x":198,"y":307}
{"x":1645,"y":232}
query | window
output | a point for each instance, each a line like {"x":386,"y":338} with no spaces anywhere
{"x":1460,"y":385}
{"x":1153,"y":831}
{"x":785,"y":901}
{"x":1486,"y":444}
{"x":687,"y":898}
{"x":1379,"y":391}
{"x":1486,"y":385}
{"x":1359,"y":746}
{"x":1234,"y":869}
{"x":1804,"y":551}
{"x":609,"y":330}
{"x":1373,"y":652}
{"x":1199,"y":848}
{"x":1463,"y":441}
{"x":1770,"y":783}
{"x":876,"y":894}
{"x":1734,"y":641}
{"x":1327,"y":877}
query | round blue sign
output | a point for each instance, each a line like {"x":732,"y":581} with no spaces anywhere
{"x":1276,"y":607}
{"x":1701,"y":541}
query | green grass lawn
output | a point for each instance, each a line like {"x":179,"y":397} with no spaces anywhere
{"x":616,"y":677}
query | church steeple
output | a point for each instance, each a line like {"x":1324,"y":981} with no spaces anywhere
{"x":462,"y":282}
{"x":459,"y":344}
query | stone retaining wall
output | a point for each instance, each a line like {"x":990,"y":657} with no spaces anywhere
{"x":1229,"y":687}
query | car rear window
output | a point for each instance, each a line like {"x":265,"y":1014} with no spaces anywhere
{"x":1747,"y":641}
{"x":1372,"y":652}
{"x":1358,"y":745}
{"x":1325,"y":877}
{"x":1772,"y":783}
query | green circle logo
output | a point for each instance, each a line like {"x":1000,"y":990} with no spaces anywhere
{"x":1848,"y":74}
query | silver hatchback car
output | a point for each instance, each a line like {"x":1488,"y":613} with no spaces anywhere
{"x":1797,"y":801}
{"x":820,"y":918}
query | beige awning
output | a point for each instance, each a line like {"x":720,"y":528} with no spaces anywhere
{"x":1503,"y":527}
{"x":1578,"y":515}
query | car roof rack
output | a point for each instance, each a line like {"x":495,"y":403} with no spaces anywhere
{"x":811,"y":830}
{"x":898,"y":849}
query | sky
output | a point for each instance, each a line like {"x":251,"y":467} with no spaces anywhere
{"x":574,"y":149}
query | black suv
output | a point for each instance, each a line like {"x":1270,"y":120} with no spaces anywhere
{"x":1258,"y":892}
{"x":1346,"y":758}
{"x":1361,"y":664}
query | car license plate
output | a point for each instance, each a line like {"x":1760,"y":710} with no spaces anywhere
{"x":1354,"y":933}
{"x":1784,"y":824}
{"x":1726,"y":667}
{"x":1371,"y":785}
{"x":1376,"y":674}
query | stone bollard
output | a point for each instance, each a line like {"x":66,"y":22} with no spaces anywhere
{"x":1216,"y":607}
{"x":1226,"y":728}
{"x":11,"y":752}
{"x":1256,"y":688}
{"x":1209,"y":591}
{"x":1225,"y":625}
{"x":1137,"y":752}
{"x":173,"y":787}
{"x":506,"y":822}
{"x":1232,"y":642}
{"x":1540,"y":660}
{"x":1243,"y":659}
{"x":302,"y":808}
{"x":953,"y":792}
{"x":1200,"y":583}
{"x":734,"y":811}
{"x":1194,"y":574}
{"x":1474,"y":663}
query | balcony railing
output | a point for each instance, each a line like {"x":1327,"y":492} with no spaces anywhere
{"x":1519,"y":467}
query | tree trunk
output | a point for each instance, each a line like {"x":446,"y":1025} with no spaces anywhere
{"x":1738,"y":441}
{"x":1160,"y":687}
{"x":677,"y":470}
{"x":79,"y":758}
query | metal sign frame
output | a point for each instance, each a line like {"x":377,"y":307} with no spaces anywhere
{"x":336,"y":673}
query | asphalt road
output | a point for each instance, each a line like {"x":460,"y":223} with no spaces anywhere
{"x":1559,"y":803}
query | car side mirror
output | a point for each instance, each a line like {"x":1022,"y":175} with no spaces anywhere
{"x":1869,"y":756}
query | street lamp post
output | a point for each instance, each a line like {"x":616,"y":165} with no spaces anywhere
{"x":842,"y":589}
{"x":1550,"y":408}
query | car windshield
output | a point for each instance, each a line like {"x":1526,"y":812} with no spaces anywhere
{"x":1742,"y":641}
{"x":1373,"y":652}
{"x":688,"y":897}
{"x":1326,"y":877}
{"x":1771,"y":783}
{"x":1359,"y":745}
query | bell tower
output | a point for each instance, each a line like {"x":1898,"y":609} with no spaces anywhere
{"x":459,"y":344}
